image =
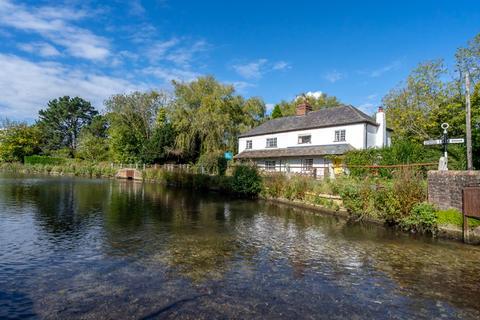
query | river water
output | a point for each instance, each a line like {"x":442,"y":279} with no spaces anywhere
{"x":100,"y":249}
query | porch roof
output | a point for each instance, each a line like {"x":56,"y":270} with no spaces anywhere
{"x":304,"y":151}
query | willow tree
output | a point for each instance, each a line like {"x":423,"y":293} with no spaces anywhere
{"x":207,"y":116}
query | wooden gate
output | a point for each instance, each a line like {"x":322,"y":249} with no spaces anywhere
{"x":470,"y":207}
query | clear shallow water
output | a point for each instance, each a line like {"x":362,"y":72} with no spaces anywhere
{"x":77,"y":248}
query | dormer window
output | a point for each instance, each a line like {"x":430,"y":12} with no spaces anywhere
{"x":339,"y":135}
{"x":271,"y":143}
{"x":248,"y":144}
{"x":304,"y":138}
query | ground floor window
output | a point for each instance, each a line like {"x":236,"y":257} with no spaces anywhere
{"x":270,"y":165}
{"x":307,"y":164}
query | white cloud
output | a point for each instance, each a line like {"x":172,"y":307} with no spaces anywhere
{"x":281,"y":65}
{"x":368,"y":108}
{"x":334,"y":76}
{"x":136,"y":7}
{"x":251,"y":70}
{"x":315,"y":94}
{"x":158,"y":50}
{"x":176,"y":51}
{"x":395,"y":65}
{"x":43,"y":49}
{"x":241,"y":86}
{"x":184,"y":55}
{"x":169,"y":74}
{"x":28,"y":86}
{"x":56,"y":24}
{"x":257,"y":68}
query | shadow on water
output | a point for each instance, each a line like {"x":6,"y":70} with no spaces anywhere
{"x":16,"y":305}
{"x":79,"y":248}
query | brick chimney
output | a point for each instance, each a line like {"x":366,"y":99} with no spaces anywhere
{"x":303,"y":108}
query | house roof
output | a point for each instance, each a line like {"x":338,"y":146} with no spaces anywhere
{"x":327,"y":117}
{"x":332,"y":149}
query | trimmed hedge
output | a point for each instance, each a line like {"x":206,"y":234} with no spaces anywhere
{"x":44,"y":160}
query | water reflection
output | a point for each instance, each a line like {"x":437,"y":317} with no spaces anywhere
{"x":113,"y":249}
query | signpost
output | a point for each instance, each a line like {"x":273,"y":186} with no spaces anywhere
{"x":444,"y":141}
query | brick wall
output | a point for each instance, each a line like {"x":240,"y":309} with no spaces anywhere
{"x":445,"y":187}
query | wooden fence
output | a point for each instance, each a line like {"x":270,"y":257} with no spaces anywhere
{"x":316,"y":172}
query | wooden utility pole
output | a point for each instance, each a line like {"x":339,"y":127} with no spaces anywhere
{"x":468,"y":124}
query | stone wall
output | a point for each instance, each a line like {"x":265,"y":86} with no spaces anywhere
{"x":445,"y":187}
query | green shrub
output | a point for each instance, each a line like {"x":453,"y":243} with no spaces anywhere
{"x":296,"y":187}
{"x":212,"y":163}
{"x":274,"y":185}
{"x":32,"y":160}
{"x":358,"y":197}
{"x":246,"y":180}
{"x":422,"y":218}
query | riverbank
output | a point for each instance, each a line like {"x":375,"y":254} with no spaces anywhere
{"x":398,"y":203}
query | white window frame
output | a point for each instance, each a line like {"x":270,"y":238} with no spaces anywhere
{"x":307,"y":164}
{"x":271,"y":143}
{"x":340,"y":135}
{"x":300,"y":136}
{"x":248,"y":144}
{"x":270,"y":165}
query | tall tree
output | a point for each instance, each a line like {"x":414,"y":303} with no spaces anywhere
{"x":409,"y":107}
{"x":276,"y":112}
{"x":93,"y":143}
{"x":132,"y":119}
{"x":468,"y":59}
{"x":62,"y":120}
{"x":208,"y":116}
{"x":159,"y":148}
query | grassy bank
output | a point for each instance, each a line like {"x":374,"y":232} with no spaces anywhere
{"x":399,"y":201}
{"x":68,"y":168}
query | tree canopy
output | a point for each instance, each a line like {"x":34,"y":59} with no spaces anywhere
{"x":18,"y":140}
{"x":61,"y":122}
{"x":132,"y":122}
{"x":207,"y":116}
{"x":288,"y":108}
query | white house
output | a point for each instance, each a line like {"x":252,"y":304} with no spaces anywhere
{"x":307,"y":141}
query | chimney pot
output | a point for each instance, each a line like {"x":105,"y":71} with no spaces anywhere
{"x":303,"y":108}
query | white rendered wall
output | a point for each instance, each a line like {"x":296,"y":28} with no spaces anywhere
{"x":371,"y":136}
{"x":294,"y":165}
{"x":354,"y":135}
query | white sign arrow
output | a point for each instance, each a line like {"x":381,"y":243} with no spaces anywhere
{"x":456,"y":140}
{"x":432,"y":142}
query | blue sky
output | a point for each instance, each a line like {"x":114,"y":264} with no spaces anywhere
{"x":354,"y":50}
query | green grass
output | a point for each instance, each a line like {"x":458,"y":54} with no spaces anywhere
{"x":454,"y":217}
